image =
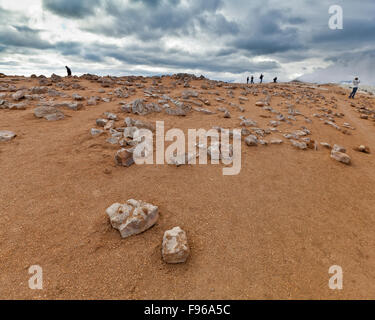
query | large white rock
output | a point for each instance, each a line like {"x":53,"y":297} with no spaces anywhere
{"x":175,"y":248}
{"x":340,"y":156}
{"x":132,"y":218}
{"x":6,"y":135}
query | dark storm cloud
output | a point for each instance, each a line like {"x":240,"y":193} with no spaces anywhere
{"x":273,"y":31}
{"x":22,"y":36}
{"x":151,"y":20}
{"x":71,"y":8}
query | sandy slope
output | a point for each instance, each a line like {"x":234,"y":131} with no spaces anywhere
{"x":271,"y":232}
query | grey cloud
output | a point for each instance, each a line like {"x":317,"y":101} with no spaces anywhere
{"x":156,"y":19}
{"x":71,"y":8}
{"x":21,"y":36}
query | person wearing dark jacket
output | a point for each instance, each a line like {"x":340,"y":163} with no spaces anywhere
{"x":261,"y":78}
{"x":69,"y":71}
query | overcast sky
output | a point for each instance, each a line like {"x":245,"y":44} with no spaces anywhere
{"x":221,"y":39}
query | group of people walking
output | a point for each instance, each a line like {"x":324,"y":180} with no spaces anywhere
{"x":356,"y":83}
{"x":260,"y":78}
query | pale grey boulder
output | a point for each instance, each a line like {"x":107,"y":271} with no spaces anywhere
{"x":132,"y":218}
{"x":175,"y":247}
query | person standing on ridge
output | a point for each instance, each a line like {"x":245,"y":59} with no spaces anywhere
{"x":248,"y":80}
{"x":356,"y":83}
{"x":69,"y":71}
{"x":275,"y":80}
{"x":261,"y":78}
{"x":252,"y":79}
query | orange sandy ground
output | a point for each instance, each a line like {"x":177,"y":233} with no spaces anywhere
{"x":272,"y":232}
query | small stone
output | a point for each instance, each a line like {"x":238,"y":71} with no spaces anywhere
{"x":96,"y":132}
{"x":340,"y":156}
{"x":92,"y":101}
{"x":101,"y":122}
{"x":110,"y":116}
{"x":132,"y":218}
{"x":181,"y":159}
{"x":338,"y":148}
{"x":6,"y":135}
{"x":326,"y":145}
{"x":276,"y":141}
{"x":124,"y":157}
{"x":362,"y":148}
{"x":17,"y":106}
{"x":109,"y":125}
{"x":227,"y":114}
{"x":113,"y":140}
{"x":251,"y":140}
{"x":175,"y":247}
{"x":299,"y":145}
{"x":77,"y":97}
{"x":20,"y":94}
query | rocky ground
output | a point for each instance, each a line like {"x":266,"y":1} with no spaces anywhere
{"x":303,"y":201}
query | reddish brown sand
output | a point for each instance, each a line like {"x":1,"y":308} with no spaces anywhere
{"x":271,"y":232}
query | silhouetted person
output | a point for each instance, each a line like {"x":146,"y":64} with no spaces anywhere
{"x":356,"y":83}
{"x":248,"y":80}
{"x":252,"y":79}
{"x":261,"y":78}
{"x":275,"y":80}
{"x":69,"y":71}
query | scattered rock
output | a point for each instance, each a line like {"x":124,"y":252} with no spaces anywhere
{"x":276,"y":141}
{"x":340,"y":156}
{"x":132,"y":218}
{"x":77,"y":97}
{"x":101,"y":122}
{"x":338,"y":148}
{"x":362,"y":148}
{"x":6,"y":135}
{"x":20,"y":94}
{"x":181,"y":159}
{"x":48,"y":113}
{"x":175,"y":247}
{"x":326,"y":145}
{"x":260,"y":104}
{"x":227,"y":114}
{"x":251,"y":140}
{"x":96,"y":132}
{"x":299,"y":145}
{"x":124,"y":157}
